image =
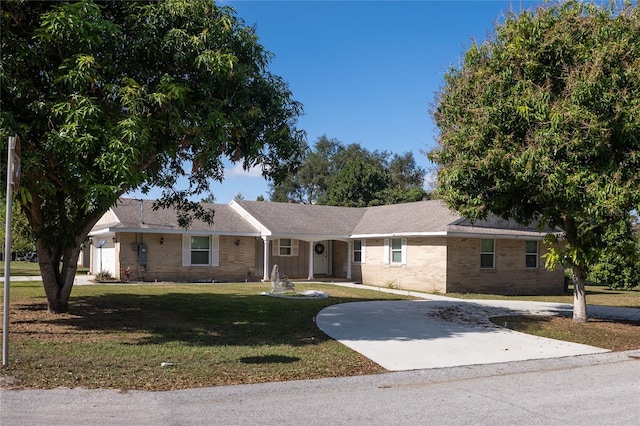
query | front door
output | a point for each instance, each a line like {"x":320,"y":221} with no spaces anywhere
{"x":321,"y":258}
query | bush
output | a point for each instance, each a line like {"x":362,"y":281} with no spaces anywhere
{"x":104,"y":276}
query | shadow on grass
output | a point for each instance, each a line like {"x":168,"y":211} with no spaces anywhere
{"x":269,"y":359}
{"x":605,"y":290}
{"x":196,"y":319}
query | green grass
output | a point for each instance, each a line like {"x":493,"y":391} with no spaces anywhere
{"x":21,"y":269}
{"x":117,"y":336}
{"x":25,"y":269}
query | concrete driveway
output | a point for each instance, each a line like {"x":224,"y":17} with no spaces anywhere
{"x":418,"y":334}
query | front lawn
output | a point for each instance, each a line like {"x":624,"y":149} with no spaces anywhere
{"x":119,"y":336}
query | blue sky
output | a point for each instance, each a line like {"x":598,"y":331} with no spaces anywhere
{"x":365,"y":71}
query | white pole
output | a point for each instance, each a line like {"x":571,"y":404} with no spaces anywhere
{"x":310,"y":275}
{"x":349,"y":251}
{"x":265,"y":259}
{"x":7,"y":255}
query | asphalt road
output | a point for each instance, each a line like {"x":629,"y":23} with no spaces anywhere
{"x":597,"y":389}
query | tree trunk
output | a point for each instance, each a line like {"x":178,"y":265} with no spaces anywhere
{"x":57,"y":282}
{"x":579,"y":273}
{"x":58,"y":253}
{"x":579,"y":297}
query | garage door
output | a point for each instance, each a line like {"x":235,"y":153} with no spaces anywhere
{"x":104,"y":258}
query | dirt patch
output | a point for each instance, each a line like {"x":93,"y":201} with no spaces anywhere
{"x":463,"y":314}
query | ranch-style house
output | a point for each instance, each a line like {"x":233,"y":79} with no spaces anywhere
{"x":422,"y":246}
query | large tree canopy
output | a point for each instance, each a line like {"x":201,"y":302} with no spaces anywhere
{"x":332,"y":173}
{"x":357,"y":184}
{"x":111,"y":96}
{"x":542,"y":122}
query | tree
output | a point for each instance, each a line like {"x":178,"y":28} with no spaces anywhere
{"x":109,"y":97}
{"x":405,"y":172}
{"x":209,"y":198}
{"x":308,"y":185}
{"x":358,"y":184}
{"x":406,"y":180}
{"x":393,"y":195}
{"x":541,"y":122}
{"x":323,"y":163}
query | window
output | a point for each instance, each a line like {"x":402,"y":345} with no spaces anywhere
{"x":487,"y":254}
{"x":531,"y":254}
{"x":358,"y":251}
{"x":285,"y":247}
{"x":200,"y":250}
{"x":395,"y":251}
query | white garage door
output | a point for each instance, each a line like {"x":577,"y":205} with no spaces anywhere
{"x":104,"y":259}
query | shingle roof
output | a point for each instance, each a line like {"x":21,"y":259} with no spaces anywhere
{"x":304,"y":220}
{"x":139,"y":214}
{"x":418,"y":217}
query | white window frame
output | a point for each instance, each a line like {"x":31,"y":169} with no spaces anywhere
{"x":293,"y":247}
{"x":530,"y":254}
{"x":486,"y":253}
{"x":214,"y":250}
{"x":388,"y":251}
{"x":361,"y":251}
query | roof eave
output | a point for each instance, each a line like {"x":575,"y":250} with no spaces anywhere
{"x":181,"y":231}
{"x":498,"y":235}
{"x":400,"y":234}
{"x":310,"y":237}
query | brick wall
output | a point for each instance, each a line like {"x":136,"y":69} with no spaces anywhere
{"x":425,"y":269}
{"x":433,"y":264}
{"x":510,"y":275}
{"x":237,"y":262}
